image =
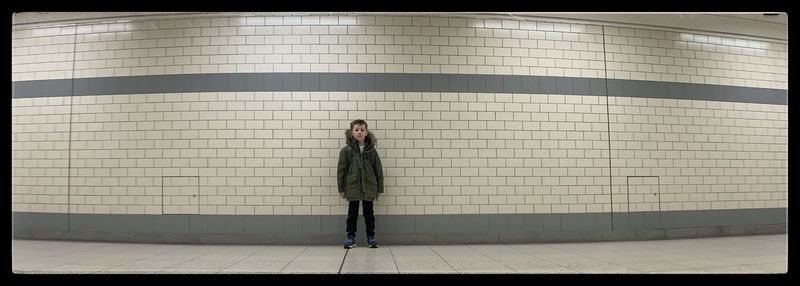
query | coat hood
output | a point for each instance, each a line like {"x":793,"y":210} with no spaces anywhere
{"x":369,"y":140}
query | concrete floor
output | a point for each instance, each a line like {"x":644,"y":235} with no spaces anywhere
{"x":741,"y":254}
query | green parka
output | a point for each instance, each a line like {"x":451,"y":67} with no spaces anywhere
{"x":360,"y":175}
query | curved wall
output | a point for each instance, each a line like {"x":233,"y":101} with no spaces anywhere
{"x":226,"y":129}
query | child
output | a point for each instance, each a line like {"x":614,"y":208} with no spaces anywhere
{"x":360,"y":178}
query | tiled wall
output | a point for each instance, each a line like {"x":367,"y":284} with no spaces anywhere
{"x":707,"y":154}
{"x":443,"y":152}
{"x":392,"y":44}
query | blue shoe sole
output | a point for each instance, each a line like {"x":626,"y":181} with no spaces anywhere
{"x":349,"y":247}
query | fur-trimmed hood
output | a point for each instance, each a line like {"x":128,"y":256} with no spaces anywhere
{"x":369,"y":140}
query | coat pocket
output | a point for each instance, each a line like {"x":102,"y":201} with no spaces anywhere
{"x":351,"y":179}
{"x":371,"y":182}
{"x":351,"y":184}
{"x":352,"y":174}
{"x":371,"y":179}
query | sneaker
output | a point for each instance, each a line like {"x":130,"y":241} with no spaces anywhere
{"x":372,"y":242}
{"x":350,"y":242}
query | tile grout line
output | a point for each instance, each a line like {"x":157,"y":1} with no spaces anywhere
{"x":442,"y":258}
{"x":550,"y":260}
{"x":243,"y":259}
{"x":69,"y":131}
{"x":124,"y":252}
{"x":608,"y":125}
{"x":190,"y":259}
{"x":146,"y":258}
{"x":490,"y":258}
{"x":295,"y":257}
{"x":68,"y":262}
{"x":394,"y":261}
{"x":343,"y":259}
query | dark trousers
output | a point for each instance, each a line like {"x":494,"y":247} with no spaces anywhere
{"x":352,"y":218}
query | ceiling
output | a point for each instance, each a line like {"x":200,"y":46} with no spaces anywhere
{"x":755,"y":24}
{"x":776,"y":19}
{"x":746,"y":24}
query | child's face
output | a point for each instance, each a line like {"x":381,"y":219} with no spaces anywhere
{"x":359,"y":131}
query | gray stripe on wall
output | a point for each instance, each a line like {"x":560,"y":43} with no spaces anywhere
{"x":399,"y":229}
{"x":393,"y":82}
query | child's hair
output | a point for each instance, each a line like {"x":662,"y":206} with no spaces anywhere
{"x":358,"y":122}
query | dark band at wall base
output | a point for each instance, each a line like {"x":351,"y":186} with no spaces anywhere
{"x":399,"y":229}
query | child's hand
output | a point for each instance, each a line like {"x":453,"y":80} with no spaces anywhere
{"x":341,"y":195}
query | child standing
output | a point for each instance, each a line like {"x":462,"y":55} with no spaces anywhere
{"x":360,"y":178}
